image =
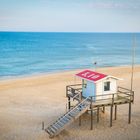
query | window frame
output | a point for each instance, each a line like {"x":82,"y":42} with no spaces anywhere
{"x":84,"y":83}
{"x":107,"y":86}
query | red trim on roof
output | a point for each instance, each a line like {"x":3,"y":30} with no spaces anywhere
{"x":91,"y":75}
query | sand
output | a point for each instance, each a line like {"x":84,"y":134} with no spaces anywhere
{"x":26,"y":102}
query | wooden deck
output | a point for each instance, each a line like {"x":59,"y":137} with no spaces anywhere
{"x":108,"y":102}
{"x":122,"y":96}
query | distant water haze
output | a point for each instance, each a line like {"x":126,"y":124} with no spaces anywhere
{"x":27,"y":53}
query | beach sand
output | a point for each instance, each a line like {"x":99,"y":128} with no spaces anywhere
{"x":26,"y":102}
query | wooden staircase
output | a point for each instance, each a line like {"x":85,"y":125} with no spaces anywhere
{"x":60,"y":124}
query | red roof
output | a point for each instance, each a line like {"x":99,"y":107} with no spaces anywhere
{"x":91,"y":75}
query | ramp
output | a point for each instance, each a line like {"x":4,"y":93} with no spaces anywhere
{"x":61,"y":123}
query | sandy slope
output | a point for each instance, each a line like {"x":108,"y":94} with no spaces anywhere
{"x":26,"y":102}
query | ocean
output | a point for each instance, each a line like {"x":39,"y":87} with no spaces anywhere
{"x":31,"y":53}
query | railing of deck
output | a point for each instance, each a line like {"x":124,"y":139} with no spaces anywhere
{"x":76,"y":90}
{"x":128,"y":92}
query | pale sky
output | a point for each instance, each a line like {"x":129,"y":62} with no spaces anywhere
{"x":70,"y":15}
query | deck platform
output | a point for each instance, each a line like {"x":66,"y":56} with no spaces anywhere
{"x":122,"y":96}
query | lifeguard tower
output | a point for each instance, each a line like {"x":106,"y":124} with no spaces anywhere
{"x":95,"y":92}
{"x":94,"y":84}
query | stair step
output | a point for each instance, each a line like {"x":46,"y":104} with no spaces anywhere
{"x":80,"y":109}
{"x":71,"y":115}
{"x":68,"y":117}
{"x":63,"y":121}
{"x":82,"y":105}
{"x":54,"y":127}
{"x":74,"y":113}
{"x":60,"y":123}
{"x":61,"y":118}
{"x":49,"y":130}
{"x":57,"y":125}
{"x":77,"y":109}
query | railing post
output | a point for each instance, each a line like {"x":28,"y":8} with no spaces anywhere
{"x":80,"y":96}
{"x":66,"y":91}
{"x":118,"y":89}
{"x":133,"y":96}
{"x":69,"y":105}
{"x":98,"y":114}
{"x":115,"y":112}
{"x":91,"y":113}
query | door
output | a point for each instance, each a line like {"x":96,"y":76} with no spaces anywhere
{"x":89,"y":89}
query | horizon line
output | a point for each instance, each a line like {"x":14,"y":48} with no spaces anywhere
{"x":64,"y":32}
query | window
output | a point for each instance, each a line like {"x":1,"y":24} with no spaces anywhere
{"x":106,"y":86}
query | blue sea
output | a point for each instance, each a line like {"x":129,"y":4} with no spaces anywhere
{"x":29,"y":53}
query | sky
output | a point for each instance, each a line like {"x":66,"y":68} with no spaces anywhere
{"x":70,"y":15}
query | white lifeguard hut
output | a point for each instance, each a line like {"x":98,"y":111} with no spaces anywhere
{"x":94,"y":84}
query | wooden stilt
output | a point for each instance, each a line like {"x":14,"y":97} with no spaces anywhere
{"x":80,"y":121}
{"x":91,"y":115}
{"x":69,"y":103}
{"x":42,"y":125}
{"x":103,"y":109}
{"x":115,"y":112}
{"x":98,"y":114}
{"x":111,"y":114}
{"x":129,"y":116}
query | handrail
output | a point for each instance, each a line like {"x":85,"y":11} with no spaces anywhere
{"x":75,"y":85}
{"x":125,"y":89}
{"x":129,"y":92}
{"x":125,"y":93}
{"x":73,"y":89}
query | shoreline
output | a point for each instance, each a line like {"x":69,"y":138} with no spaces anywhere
{"x":42,"y":79}
{"x":38,"y":75}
